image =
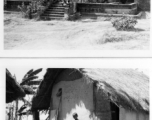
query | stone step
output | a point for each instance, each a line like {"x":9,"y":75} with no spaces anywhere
{"x":54,"y":12}
{"x":52,"y":18}
{"x":54,"y":15}
{"x":53,"y":9}
{"x":57,"y":7}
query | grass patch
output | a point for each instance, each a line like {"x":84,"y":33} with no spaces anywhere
{"x":115,"y":37}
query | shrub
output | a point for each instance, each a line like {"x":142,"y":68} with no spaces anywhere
{"x":124,"y":23}
{"x":35,"y":7}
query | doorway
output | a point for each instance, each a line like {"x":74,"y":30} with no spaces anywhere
{"x":114,"y":111}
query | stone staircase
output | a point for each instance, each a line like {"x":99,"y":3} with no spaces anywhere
{"x":54,"y":12}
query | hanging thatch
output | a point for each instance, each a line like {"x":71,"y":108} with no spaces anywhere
{"x":42,"y":99}
{"x":13,"y":89}
{"x":126,"y":87}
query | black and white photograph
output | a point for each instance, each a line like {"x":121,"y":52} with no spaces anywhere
{"x":76,"y":25}
{"x":77,"y":93}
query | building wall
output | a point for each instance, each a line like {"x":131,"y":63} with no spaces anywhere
{"x":107,"y":8}
{"x":77,"y":96}
{"x":130,"y":115}
{"x":143,"y":4}
{"x":102,"y":105}
{"x":14,"y":4}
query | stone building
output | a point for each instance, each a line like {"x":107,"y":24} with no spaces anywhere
{"x":142,"y":4}
{"x":13,"y":4}
{"x":93,"y":94}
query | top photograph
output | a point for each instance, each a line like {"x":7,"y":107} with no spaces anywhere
{"x":76,"y":25}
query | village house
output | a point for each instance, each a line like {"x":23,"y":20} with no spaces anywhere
{"x":93,"y":94}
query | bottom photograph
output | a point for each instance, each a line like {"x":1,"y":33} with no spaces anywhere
{"x":77,"y":94}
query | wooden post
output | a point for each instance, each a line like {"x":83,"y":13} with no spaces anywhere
{"x":9,"y":113}
{"x":20,"y":117}
{"x":36,"y":115}
{"x":16,"y":116}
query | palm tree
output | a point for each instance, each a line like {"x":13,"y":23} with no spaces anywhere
{"x":28,"y":85}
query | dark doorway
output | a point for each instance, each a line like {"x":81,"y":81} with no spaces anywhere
{"x":114,"y":111}
{"x":130,"y":1}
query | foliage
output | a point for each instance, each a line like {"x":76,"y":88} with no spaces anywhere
{"x":30,"y":75}
{"x":124,"y":23}
{"x":28,"y":89}
{"x":34,"y":8}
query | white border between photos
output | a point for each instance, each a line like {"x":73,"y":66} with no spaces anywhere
{"x":69,"y":63}
{"x":68,"y":53}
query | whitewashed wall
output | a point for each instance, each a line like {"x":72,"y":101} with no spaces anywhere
{"x":77,"y":96}
{"x":130,"y":115}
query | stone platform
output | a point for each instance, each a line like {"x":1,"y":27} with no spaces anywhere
{"x":107,"y":8}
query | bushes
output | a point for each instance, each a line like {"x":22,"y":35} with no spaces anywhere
{"x":34,"y":8}
{"x":124,"y":23}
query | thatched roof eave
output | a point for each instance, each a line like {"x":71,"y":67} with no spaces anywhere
{"x":13,"y":89}
{"x":127,"y":88}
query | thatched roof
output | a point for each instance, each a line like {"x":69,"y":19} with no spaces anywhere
{"x":13,"y":89}
{"x":127,"y":88}
{"x":42,"y":99}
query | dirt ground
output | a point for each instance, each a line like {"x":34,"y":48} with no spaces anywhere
{"x":24,"y":34}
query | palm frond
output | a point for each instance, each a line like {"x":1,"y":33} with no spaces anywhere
{"x":27,"y":89}
{"x":33,"y":82}
{"x":22,"y":108}
{"x":29,"y":72}
{"x":28,"y":112}
{"x":26,"y":101}
{"x":35,"y":72}
{"x":28,"y":79}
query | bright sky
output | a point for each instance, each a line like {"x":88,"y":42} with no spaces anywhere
{"x":20,"y":72}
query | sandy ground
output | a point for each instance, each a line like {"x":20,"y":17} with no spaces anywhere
{"x":24,"y":34}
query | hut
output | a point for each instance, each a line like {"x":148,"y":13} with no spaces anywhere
{"x":93,"y":94}
{"x":13,"y":89}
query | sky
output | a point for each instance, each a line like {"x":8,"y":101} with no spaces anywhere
{"x":19,"y":72}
